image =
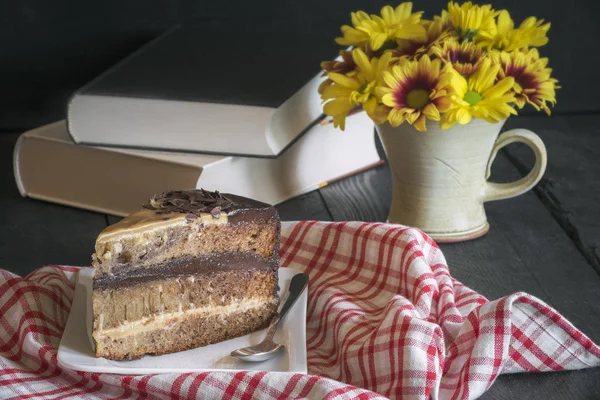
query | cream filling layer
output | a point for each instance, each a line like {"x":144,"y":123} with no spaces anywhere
{"x":169,"y":320}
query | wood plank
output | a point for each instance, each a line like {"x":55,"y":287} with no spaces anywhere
{"x":362,"y":197}
{"x":309,"y":206}
{"x":35,"y":233}
{"x":571,"y":186}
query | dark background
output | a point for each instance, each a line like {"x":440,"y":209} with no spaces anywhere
{"x":48,"y":49}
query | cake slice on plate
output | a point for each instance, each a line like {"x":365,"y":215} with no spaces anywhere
{"x":189,"y":269}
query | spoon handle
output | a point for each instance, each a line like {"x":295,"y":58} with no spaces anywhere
{"x":297,"y":285}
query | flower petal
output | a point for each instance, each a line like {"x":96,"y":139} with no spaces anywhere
{"x":415,"y":32}
{"x":351,"y":36}
{"x":396,"y":117}
{"x":411,"y":116}
{"x":448,"y":120}
{"x":499,"y":89}
{"x":339,"y":121}
{"x":403,"y":10}
{"x":463,"y":116}
{"x":443,"y":104}
{"x":324,"y":85}
{"x":343,"y":80}
{"x":390,"y":79}
{"x":389,"y":100}
{"x":362,"y":61}
{"x":505,"y":23}
{"x":369,"y":105}
{"x":431,"y":112}
{"x":402,"y":70}
{"x":334,"y":91}
{"x":484,"y":77}
{"x":358,"y":17}
{"x":341,"y":105}
{"x":459,"y":84}
{"x":421,"y":123}
{"x":388,"y":15}
{"x":377,"y":40}
{"x":380,"y":114}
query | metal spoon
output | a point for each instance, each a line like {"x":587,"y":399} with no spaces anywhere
{"x":267,"y":348}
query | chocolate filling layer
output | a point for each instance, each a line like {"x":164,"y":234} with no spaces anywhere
{"x":246,"y":215}
{"x":187,"y":266}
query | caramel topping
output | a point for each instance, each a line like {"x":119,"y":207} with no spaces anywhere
{"x":181,"y":207}
{"x":145,"y":220}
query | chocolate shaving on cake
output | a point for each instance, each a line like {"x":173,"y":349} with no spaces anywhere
{"x":192,"y":203}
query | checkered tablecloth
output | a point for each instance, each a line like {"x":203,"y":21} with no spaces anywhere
{"x":385,"y":319}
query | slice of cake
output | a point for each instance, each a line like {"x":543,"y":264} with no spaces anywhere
{"x":189,"y":269}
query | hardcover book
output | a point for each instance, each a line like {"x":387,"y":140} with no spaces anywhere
{"x":49,"y":166}
{"x":185,"y":92}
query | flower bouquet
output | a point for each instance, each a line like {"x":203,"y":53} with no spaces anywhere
{"x":439,"y":92}
{"x":470,"y":61}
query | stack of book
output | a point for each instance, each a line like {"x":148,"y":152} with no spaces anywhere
{"x":171,"y":116}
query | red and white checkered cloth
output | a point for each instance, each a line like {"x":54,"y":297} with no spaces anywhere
{"x":385,"y":319}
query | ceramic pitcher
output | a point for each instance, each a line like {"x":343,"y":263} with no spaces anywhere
{"x":440,"y":176}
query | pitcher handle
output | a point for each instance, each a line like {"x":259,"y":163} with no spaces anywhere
{"x":498,"y":191}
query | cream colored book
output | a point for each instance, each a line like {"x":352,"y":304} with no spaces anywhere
{"x":49,"y":166}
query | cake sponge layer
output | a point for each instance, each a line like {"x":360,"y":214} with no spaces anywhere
{"x":181,"y":238}
{"x":115,"y":307}
{"x":184,"y":333}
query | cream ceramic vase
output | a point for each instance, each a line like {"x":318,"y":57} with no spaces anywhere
{"x":440,"y":176}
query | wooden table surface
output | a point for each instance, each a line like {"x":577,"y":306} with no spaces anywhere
{"x":545,"y":242}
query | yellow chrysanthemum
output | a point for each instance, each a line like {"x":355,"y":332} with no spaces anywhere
{"x":470,"y":21}
{"x":465,"y":57}
{"x":439,"y":28}
{"x":437,"y":31}
{"x":344,"y":66}
{"x":348,"y":92}
{"x":533,"y":81}
{"x":416,"y":91}
{"x":479,"y":97}
{"x":534,"y":31}
{"x":504,"y":35}
{"x":378,"y":32}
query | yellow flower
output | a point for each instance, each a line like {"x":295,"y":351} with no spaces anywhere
{"x":465,"y":57}
{"x":439,"y":28}
{"x":470,"y":21}
{"x":533,"y":83}
{"x":416,"y":91}
{"x":505,"y":36}
{"x":376,"y":31}
{"x":534,"y":31}
{"x":437,"y":31}
{"x":479,"y":97}
{"x":345,"y":66}
{"x":349,"y":91}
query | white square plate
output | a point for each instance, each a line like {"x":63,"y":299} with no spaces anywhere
{"x":76,"y":346}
